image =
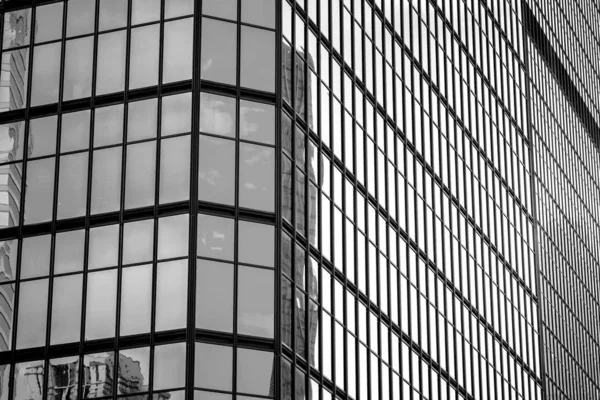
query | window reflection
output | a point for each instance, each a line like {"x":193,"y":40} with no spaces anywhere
{"x":144,"y":11}
{"x":42,"y":136}
{"x":217,"y":114}
{"x":134,"y":371}
{"x":169,"y":366}
{"x":108,"y":125}
{"x":214,"y":296}
{"x":33,"y":308}
{"x":176,"y":114}
{"x":113,"y":14}
{"x":138,"y":239}
{"x":173,"y":236}
{"x":177,"y":8}
{"x":220,"y":8}
{"x":75,"y":131}
{"x":103,"y":247}
{"x":256,"y":243}
{"x":66,"y":309}
{"x":72,"y":185}
{"x":213,"y":366}
{"x":110,"y":76}
{"x":259,"y":12}
{"x":35,"y":257}
{"x":178,"y":45}
{"x":216,"y":170}
{"x":29,"y":380}
{"x":106,"y":180}
{"x":171,"y":295}
{"x":219,"y":44}
{"x":101,"y":305}
{"x":255,"y":301}
{"x":39,"y":195}
{"x":139,"y":176}
{"x":80,"y":17}
{"x":175,"y":169}
{"x":48,"y":22}
{"x":68,"y":251}
{"x":258,"y":59}
{"x":143,"y":63}
{"x":79,"y":55}
{"x":215,"y":237}
{"x":254,"y":372}
{"x":142,"y":120}
{"x":257,"y":180}
{"x":257,"y":122}
{"x":136,"y":300}
{"x":46,"y":74}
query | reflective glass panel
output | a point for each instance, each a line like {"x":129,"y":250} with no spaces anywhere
{"x":113,"y":14}
{"x":136,"y":362}
{"x":219,"y":44}
{"x":256,"y":243}
{"x":173,"y":236}
{"x":48,"y":22}
{"x":104,"y":247}
{"x":42,"y":136}
{"x":213,"y":369}
{"x":257,"y":177}
{"x":108,"y":125}
{"x":33,"y":309}
{"x":143,"y":63}
{"x":214,"y":296}
{"x":254,"y":371}
{"x":80,"y":17}
{"x":177,"y":8}
{"x":215,"y":237}
{"x":46,"y":74}
{"x":256,"y":301}
{"x":66,"y":309}
{"x":142,"y":120}
{"x":178,"y":49}
{"x":39,"y":193}
{"x":140,"y":178}
{"x":144,"y":11}
{"x":217,"y":114}
{"x":68,"y":251}
{"x":138,"y":239}
{"x":175,"y":169}
{"x":171,"y":295}
{"x":220,"y":8}
{"x":176,"y":114}
{"x":169,"y":366}
{"x":257,"y":122}
{"x":101,"y":305}
{"x":136,"y":300}
{"x":106,"y":180}
{"x":79,"y":58}
{"x":110,"y":76}
{"x":72,"y":185}
{"x":35,"y":257}
{"x":259,"y":12}
{"x":216,"y":170}
{"x":258,"y":59}
{"x":75,"y":131}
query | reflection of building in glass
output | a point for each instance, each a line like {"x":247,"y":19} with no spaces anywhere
{"x":98,"y":380}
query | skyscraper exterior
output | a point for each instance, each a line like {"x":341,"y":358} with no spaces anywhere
{"x":299,"y":199}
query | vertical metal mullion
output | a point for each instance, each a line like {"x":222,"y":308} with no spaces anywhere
{"x":237,"y":193}
{"x":193,"y":215}
{"x":278,"y":203}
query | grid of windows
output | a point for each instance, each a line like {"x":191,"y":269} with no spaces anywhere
{"x":406,"y":201}
{"x":134,"y":134}
{"x":317,"y":199}
{"x":567,"y":197}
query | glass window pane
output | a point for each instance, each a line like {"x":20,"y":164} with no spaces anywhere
{"x":99,"y":372}
{"x":144,"y":11}
{"x":104,"y":247}
{"x":24,"y":372}
{"x":39,"y":192}
{"x":113,"y":14}
{"x":33,"y":309}
{"x":257,"y":122}
{"x":35,"y":257}
{"x":20,"y":60}
{"x":169,"y":366}
{"x":176,"y":116}
{"x":259,"y":12}
{"x":72,"y":185}
{"x":137,"y":363}
{"x":110,"y":76}
{"x":68,"y":251}
{"x":80,"y":17}
{"x":101,"y":303}
{"x":106,"y":180}
{"x":46,"y":74}
{"x":108,"y":125}
{"x":79,"y":58}
{"x":215,"y":237}
{"x":258,"y":59}
{"x":220,"y":8}
{"x":214,"y":296}
{"x":175,"y":169}
{"x":202,"y":395}
{"x":142,"y":120}
{"x":75,"y":131}
{"x":217,"y":114}
{"x":48,"y":22}
{"x":216,"y":170}
{"x":178,"y":8}
{"x":178,"y":50}
{"x":219,"y":44}
{"x":143,"y":65}
{"x":256,"y":301}
{"x":257,"y":178}
{"x":173,"y":236}
{"x":256,"y":244}
{"x":12,"y":137}
{"x":42,"y":136}
{"x":139,"y":181}
{"x":213,"y":369}
{"x":171,"y":295}
{"x":136,"y":300}
{"x":254,"y":371}
{"x":138,"y":239}
{"x":66,"y":309}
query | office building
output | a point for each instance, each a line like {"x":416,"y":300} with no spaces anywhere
{"x":299,"y":199}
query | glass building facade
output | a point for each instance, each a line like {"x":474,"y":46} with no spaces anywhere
{"x":299,"y":199}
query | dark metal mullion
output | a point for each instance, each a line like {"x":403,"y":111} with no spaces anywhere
{"x":236,"y":267}
{"x":193,"y":214}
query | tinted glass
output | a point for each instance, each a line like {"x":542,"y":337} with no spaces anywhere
{"x":258,"y":59}
{"x":257,"y":180}
{"x":79,"y":57}
{"x":106,"y":180}
{"x":75,"y":131}
{"x":110,"y":76}
{"x":171,"y":295}
{"x":108,"y":125}
{"x":256,"y":301}
{"x":33,"y":309}
{"x":136,"y":300}
{"x":101,"y":305}
{"x":257,"y":122}
{"x":219,"y":44}
{"x":45,"y":75}
{"x":68,"y":251}
{"x":213,"y":369}
{"x":66,"y":309}
{"x":143,"y":63}
{"x":142,"y":120}
{"x":140,"y":178}
{"x":72,"y":185}
{"x":216,"y":170}
{"x":215,"y":237}
{"x":39,"y":194}
{"x":175,"y":169}
{"x":176,"y":114}
{"x":217,"y":114}
{"x":254,"y":371}
{"x":178,"y":50}
{"x":214,"y":296}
